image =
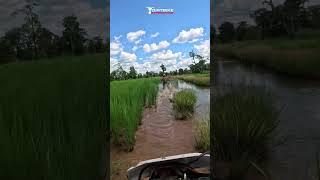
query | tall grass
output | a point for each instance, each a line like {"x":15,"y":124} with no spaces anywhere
{"x":243,"y":127}
{"x":202,"y":135}
{"x":128,"y":99}
{"x":298,"y":57}
{"x":197,"y":79}
{"x":53,"y":119}
{"x":183,"y":103}
{"x":318,"y":165}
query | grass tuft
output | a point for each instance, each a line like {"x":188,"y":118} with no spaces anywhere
{"x":183,"y":103}
{"x":202,"y":135}
{"x":243,"y":124}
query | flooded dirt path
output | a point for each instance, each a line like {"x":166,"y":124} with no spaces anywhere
{"x":159,"y":135}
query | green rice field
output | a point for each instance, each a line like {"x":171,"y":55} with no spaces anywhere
{"x":197,"y":79}
{"x":127,"y":102}
{"x":53,"y":119}
{"x":298,"y":57}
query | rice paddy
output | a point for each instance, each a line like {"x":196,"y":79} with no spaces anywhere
{"x":197,"y":79}
{"x":53,"y":119}
{"x":297,"y":57}
{"x":127,"y":102}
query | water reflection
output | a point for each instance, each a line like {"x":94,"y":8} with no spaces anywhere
{"x":202,"y":109}
{"x":300,"y":119}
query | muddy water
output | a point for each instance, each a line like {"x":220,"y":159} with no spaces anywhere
{"x":160,"y":134}
{"x":300,"y":118}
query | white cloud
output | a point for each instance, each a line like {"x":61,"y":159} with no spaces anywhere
{"x":133,"y":36}
{"x":154,"y":47}
{"x":117,"y":37}
{"x":203,"y":48}
{"x":135,"y":48}
{"x":113,"y":64}
{"x":165,"y":55}
{"x":128,"y":57}
{"x":138,"y":41}
{"x":115,"y":47}
{"x":185,"y":62}
{"x":172,"y":61}
{"x":186,"y":36}
{"x":155,"y":35}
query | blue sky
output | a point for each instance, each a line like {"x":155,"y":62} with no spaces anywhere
{"x":145,"y":41}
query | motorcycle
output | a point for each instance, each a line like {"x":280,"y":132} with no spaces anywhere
{"x":191,"y":166}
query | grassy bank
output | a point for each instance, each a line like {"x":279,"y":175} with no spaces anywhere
{"x":299,"y":57}
{"x":127,"y":102}
{"x":197,"y":79}
{"x":53,"y":119}
{"x":183,"y":103}
{"x":243,"y":126}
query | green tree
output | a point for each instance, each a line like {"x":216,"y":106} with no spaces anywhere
{"x":48,"y":43}
{"x":132,"y":73}
{"x":180,"y":71}
{"x":293,"y":11}
{"x":241,"y":30}
{"x":73,"y":35}
{"x":98,"y":43}
{"x":227,"y":32}
{"x":163,"y":68}
{"x":119,"y":74}
{"x":7,"y":53}
{"x":197,"y":67}
{"x":32,"y":26}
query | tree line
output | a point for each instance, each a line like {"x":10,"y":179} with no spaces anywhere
{"x":32,"y":41}
{"x":196,"y":67}
{"x":285,"y":19}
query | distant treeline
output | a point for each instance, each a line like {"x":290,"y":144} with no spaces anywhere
{"x":32,"y":41}
{"x":121,"y":74}
{"x":196,"y":67}
{"x":272,"y":21}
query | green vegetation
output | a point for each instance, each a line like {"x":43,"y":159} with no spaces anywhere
{"x":196,"y":67}
{"x":197,"y":79}
{"x":33,"y":41}
{"x":243,"y":125}
{"x":53,"y":119}
{"x":297,"y":57}
{"x":128,"y":99}
{"x":202,"y":136}
{"x":285,"y":38}
{"x":183,"y":103}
